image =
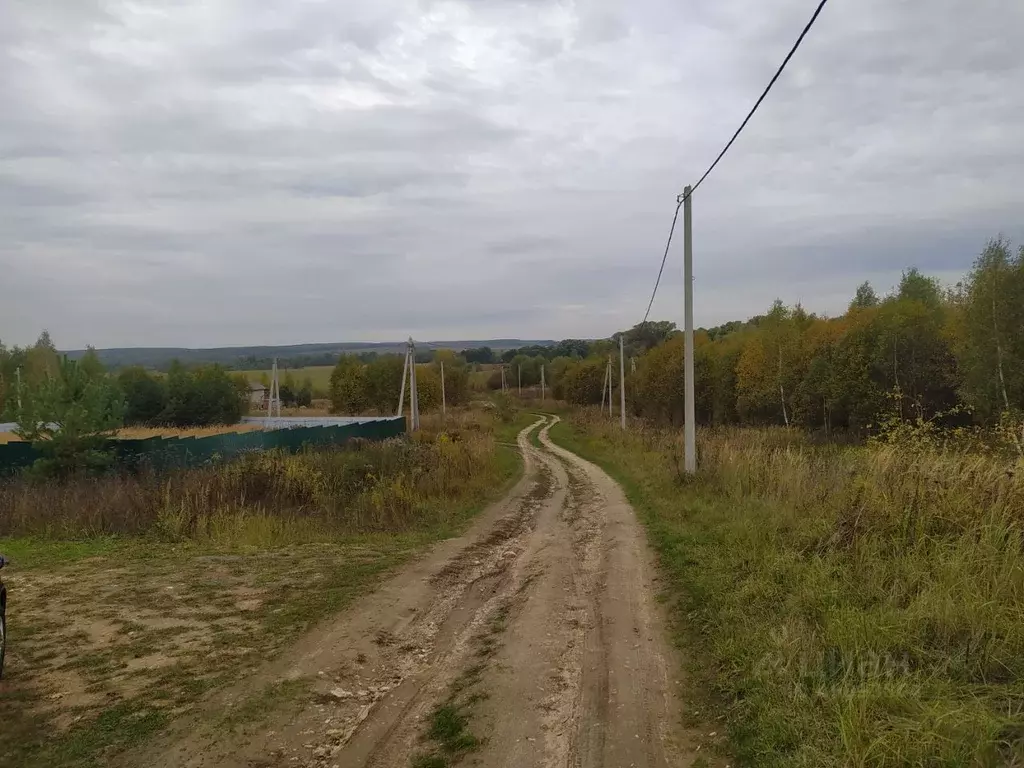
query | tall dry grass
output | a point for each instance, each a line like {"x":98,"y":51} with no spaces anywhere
{"x":851,"y":606}
{"x":397,"y":485}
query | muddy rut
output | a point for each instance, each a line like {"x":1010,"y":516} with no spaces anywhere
{"x":540,"y":625}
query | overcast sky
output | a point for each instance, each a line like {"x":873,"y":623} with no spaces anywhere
{"x":202,"y":173}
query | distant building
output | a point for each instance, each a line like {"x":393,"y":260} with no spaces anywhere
{"x":258,"y":395}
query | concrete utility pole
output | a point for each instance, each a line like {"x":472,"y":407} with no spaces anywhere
{"x":622,"y":383}
{"x":18,"y":374}
{"x":689,"y":411}
{"x":444,"y":400}
{"x":542,"y":384}
{"x":405,"y":373}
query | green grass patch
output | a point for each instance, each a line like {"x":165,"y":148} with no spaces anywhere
{"x":117,"y":728}
{"x":319,"y":375}
{"x":506,"y":431}
{"x":838,"y":607}
{"x":40,"y":552}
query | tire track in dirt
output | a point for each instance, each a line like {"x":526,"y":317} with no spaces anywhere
{"x":628,"y":711}
{"x":393,"y":743}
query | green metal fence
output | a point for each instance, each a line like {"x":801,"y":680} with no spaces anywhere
{"x":162,"y":453}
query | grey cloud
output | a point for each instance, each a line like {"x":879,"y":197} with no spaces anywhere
{"x":367,"y":170}
{"x":522,"y":244}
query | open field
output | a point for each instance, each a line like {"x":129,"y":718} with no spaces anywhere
{"x":111,"y":640}
{"x":842,"y":606}
{"x":320,"y":375}
{"x":114,"y":637}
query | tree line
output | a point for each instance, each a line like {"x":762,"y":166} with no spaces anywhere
{"x":70,"y":409}
{"x":38,"y":383}
{"x":358,"y":386}
{"x":949,"y":356}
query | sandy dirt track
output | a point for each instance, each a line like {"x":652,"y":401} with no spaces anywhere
{"x":541,"y":620}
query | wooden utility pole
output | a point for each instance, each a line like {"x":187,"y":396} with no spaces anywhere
{"x":689,"y":410}
{"x":17,"y":373}
{"x":520,"y":379}
{"x":622,"y":383}
{"x":405,"y":373}
{"x":542,"y":393}
{"x":275,"y":393}
{"x":413,"y":392}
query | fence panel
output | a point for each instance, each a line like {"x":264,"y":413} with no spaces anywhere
{"x":162,"y":453}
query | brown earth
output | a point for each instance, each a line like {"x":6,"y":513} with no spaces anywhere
{"x":539,"y":627}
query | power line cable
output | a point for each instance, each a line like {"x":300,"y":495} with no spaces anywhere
{"x":682,"y":198}
{"x":664,"y":258}
{"x":778,"y":74}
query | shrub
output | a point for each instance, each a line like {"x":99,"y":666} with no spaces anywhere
{"x":201,"y":397}
{"x":145,"y":395}
{"x":349,"y":386}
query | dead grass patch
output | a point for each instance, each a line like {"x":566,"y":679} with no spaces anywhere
{"x":152,"y":627}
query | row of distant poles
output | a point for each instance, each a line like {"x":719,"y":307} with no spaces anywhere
{"x":543,"y":383}
{"x":409,"y":376}
{"x":606,"y":385}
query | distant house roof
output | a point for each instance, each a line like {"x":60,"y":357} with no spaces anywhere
{"x":255,"y":386}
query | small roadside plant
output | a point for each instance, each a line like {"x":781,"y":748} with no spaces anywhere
{"x":505,"y":408}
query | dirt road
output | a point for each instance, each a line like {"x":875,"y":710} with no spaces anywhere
{"x":533,"y":640}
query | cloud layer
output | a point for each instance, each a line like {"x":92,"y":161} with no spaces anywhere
{"x":204,"y":173}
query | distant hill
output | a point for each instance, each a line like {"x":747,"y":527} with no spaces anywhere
{"x":289,"y":356}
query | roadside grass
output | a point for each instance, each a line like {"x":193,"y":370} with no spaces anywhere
{"x":838,"y":606}
{"x":113,"y":636}
{"x":535,"y":434}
